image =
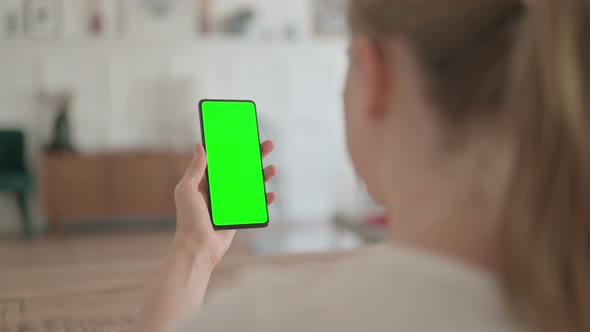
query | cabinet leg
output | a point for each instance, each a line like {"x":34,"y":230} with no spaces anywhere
{"x":55,"y":227}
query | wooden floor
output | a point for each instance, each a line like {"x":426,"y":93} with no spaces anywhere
{"x":90,"y":283}
{"x":76,"y":283}
{"x":83,"y":249}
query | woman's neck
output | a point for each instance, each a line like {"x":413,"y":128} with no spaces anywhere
{"x":458,"y":240}
{"x":454,"y":213}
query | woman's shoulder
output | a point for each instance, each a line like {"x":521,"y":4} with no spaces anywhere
{"x":375,"y":288}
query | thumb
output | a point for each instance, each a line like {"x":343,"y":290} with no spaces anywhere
{"x":196,"y":169}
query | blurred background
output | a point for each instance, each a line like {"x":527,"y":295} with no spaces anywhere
{"x":98,"y":118}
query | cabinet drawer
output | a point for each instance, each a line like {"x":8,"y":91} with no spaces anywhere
{"x":74,"y":187}
{"x":139,"y":186}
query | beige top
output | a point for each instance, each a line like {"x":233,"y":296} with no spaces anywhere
{"x":383,"y":289}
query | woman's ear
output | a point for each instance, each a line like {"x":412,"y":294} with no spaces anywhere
{"x":374,"y":74}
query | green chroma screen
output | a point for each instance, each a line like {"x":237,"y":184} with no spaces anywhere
{"x":236,"y":179}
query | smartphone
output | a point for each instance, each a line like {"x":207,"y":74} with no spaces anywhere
{"x":237,"y":193}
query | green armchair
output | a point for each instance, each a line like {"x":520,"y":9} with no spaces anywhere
{"x":14,"y":176}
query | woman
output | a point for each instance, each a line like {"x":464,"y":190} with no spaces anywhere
{"x":468,"y":120}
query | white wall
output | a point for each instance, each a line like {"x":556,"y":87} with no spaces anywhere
{"x":136,"y":93}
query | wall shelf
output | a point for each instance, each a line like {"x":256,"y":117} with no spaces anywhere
{"x":146,"y":42}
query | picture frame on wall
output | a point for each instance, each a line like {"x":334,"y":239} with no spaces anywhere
{"x":330,"y":17}
{"x":159,"y":19}
{"x":42,"y":18}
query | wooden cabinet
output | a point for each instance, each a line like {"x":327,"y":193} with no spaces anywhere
{"x":140,"y":186}
{"x":74,"y":187}
{"x":80,"y":188}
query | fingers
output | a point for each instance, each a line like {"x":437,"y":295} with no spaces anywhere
{"x":266,"y":148}
{"x":196,"y":169}
{"x":270,"y":173}
{"x":271,"y":198}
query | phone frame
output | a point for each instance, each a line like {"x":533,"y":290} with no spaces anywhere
{"x":208,"y":193}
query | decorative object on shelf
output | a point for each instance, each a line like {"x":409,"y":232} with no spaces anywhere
{"x":11,"y":23}
{"x":160,"y":19}
{"x":158,"y":8}
{"x":42,"y":18}
{"x":205,"y":17}
{"x":95,"y":18}
{"x":238,"y":22}
{"x":62,"y":134}
{"x":121,"y":14}
{"x":330,"y":17}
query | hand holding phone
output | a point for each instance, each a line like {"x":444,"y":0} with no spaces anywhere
{"x":194,"y":231}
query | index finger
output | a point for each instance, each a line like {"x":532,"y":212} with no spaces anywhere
{"x":196,"y":169}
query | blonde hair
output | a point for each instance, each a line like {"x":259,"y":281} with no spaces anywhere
{"x":531,"y":65}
